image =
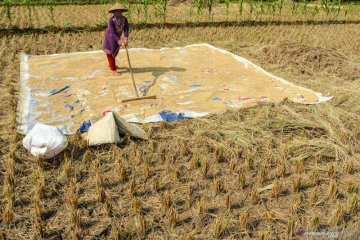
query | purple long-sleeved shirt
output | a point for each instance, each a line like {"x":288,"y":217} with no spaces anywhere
{"x":116,"y":27}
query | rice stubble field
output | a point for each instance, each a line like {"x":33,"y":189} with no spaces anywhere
{"x":266,"y":172}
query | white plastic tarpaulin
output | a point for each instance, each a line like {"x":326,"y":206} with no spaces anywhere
{"x":67,"y":89}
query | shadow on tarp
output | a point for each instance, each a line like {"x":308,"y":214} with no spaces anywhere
{"x":156,"y":72}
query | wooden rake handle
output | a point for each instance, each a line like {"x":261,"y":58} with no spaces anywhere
{"x":131,"y":72}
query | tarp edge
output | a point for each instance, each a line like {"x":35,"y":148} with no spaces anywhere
{"x":23,"y":104}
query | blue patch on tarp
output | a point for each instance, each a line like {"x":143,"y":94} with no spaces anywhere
{"x":84,"y":127}
{"x":69,"y":107}
{"x":181,"y":116}
{"x":54,"y":91}
{"x":169,"y":116}
{"x":143,"y":89}
{"x":144,"y":86}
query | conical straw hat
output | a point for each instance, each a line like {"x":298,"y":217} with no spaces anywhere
{"x":117,"y":7}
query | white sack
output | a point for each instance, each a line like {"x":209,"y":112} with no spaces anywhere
{"x":108,"y":128}
{"x":45,"y":140}
{"x":103,"y":131}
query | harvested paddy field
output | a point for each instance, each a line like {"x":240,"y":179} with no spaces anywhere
{"x":273,"y":171}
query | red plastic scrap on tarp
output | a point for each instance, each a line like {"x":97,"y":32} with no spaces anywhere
{"x":243,"y":98}
{"x":249,"y":98}
{"x":105,"y":112}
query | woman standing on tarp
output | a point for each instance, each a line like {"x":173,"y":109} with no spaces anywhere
{"x":112,"y":37}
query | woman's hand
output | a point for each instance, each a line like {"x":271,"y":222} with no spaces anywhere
{"x":125,"y":42}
